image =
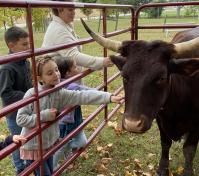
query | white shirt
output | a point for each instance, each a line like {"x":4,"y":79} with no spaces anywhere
{"x":59,"y":32}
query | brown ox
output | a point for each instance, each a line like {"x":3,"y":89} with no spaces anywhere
{"x":161,"y":82}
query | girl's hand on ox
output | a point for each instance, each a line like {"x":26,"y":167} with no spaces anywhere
{"x":117,"y":99}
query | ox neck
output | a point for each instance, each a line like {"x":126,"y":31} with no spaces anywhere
{"x":167,"y":96}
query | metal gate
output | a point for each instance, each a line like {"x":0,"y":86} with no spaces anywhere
{"x":32,"y":53}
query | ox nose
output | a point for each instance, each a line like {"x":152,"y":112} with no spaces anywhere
{"x":135,"y":124}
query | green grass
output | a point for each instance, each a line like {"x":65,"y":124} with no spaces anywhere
{"x":126,"y":147}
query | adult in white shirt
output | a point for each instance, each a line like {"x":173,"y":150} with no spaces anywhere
{"x":61,"y":31}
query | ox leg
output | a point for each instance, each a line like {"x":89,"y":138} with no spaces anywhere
{"x":163,"y":169}
{"x":189,"y":151}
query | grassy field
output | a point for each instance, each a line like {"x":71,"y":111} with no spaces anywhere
{"x":113,"y":152}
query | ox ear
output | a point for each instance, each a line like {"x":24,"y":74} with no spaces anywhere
{"x":184,"y":66}
{"x":118,"y":60}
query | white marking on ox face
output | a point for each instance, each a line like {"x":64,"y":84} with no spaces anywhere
{"x":136,"y":125}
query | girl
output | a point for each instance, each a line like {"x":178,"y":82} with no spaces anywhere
{"x":72,"y":120}
{"x":49,"y":75}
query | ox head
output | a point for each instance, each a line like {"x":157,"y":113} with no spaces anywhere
{"x":146,"y":68}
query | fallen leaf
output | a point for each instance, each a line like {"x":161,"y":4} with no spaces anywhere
{"x":111,"y":174}
{"x":131,"y":138}
{"x":147,"y":174}
{"x":179,"y":170}
{"x":84,"y":155}
{"x":105,"y":160}
{"x":71,"y":166}
{"x":118,"y":131}
{"x":137,"y":164}
{"x":151,"y":155}
{"x":112,"y":124}
{"x":170,"y":173}
{"x":127,"y":168}
{"x":127,"y":173}
{"x":99,"y":148}
{"x":101,"y":168}
{"x":110,"y":145}
{"x":151,"y":167}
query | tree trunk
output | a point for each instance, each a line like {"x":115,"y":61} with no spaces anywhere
{"x":178,"y":11}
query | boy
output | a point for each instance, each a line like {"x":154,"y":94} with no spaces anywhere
{"x":15,"y":80}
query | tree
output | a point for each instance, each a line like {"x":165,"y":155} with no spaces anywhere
{"x":191,"y":10}
{"x":178,"y":8}
{"x":8,"y":16}
{"x":87,"y":11}
{"x":135,"y":3}
{"x":40,"y":19}
{"x":109,"y":12}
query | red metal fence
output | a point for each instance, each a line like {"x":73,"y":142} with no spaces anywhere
{"x":28,"y":5}
{"x":32,"y":53}
{"x":163,"y":26}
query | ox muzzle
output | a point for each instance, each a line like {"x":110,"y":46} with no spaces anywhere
{"x":136,"y":124}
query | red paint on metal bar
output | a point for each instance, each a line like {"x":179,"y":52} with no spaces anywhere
{"x":32,"y":53}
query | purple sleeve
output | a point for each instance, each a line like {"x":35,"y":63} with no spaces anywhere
{"x":69,"y":118}
{"x":75,"y":86}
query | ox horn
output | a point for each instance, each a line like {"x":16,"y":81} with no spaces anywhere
{"x":187,"y":49}
{"x":107,"y":43}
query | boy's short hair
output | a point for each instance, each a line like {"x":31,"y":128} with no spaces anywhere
{"x":55,"y":10}
{"x":14,"y":34}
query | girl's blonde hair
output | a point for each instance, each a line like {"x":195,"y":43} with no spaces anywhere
{"x":64,"y":64}
{"x":41,"y":61}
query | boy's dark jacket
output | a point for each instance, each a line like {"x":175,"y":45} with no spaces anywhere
{"x":6,"y":142}
{"x":15,"y":80}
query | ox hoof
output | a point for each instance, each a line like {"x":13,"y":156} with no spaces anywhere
{"x":163,"y":172}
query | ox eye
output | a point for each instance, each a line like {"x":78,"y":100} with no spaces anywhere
{"x":161,"y":81}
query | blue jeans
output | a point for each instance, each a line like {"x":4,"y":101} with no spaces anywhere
{"x":76,"y":142}
{"x":15,"y":130}
{"x":48,"y":167}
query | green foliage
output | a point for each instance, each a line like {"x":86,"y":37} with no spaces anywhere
{"x":191,"y":10}
{"x":109,"y":12}
{"x":87,"y":11}
{"x":40,"y":19}
{"x":135,"y":3}
{"x":8,"y":16}
{"x":155,"y":12}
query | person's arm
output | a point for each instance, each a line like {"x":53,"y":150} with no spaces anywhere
{"x":93,"y":97}
{"x":7,"y":93}
{"x":81,"y":59}
{"x":8,"y":140}
{"x":26,"y":116}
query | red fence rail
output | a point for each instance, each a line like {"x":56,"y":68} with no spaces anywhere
{"x":32,"y":53}
{"x":28,"y":5}
{"x":150,"y":5}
